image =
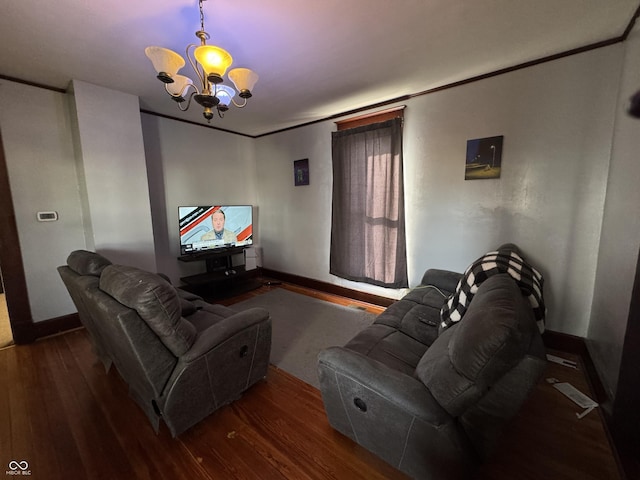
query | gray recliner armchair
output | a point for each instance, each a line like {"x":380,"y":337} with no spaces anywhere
{"x":181,"y":357}
{"x":433,"y":403}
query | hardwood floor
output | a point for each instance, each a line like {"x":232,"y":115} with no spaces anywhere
{"x":66,"y":417}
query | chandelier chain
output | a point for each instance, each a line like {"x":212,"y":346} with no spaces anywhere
{"x":201,"y":16}
{"x":209,"y":63}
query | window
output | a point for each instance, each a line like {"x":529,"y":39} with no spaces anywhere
{"x":367,"y":223}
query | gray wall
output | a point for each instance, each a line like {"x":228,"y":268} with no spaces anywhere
{"x":80,"y":154}
{"x":557,"y":120}
{"x":36,"y":133}
{"x":561,"y":121}
{"x":191,"y":165}
{"x":112,"y":174}
{"x":620,"y":239}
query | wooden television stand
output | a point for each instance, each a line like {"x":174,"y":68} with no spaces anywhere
{"x":222,"y":278}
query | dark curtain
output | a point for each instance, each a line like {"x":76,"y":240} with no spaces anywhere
{"x":367,"y":223}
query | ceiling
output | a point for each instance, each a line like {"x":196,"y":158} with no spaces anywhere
{"x":315,"y":58}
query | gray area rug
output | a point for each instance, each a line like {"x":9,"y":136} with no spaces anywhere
{"x":302,"y":326}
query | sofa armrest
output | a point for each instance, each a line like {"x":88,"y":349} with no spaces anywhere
{"x":404,"y":391}
{"x":443,"y":279}
{"x":223,"y":330}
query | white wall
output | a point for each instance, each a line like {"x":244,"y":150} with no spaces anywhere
{"x":557,"y":121}
{"x":82,"y":155}
{"x":36,"y":134}
{"x":295,"y":222}
{"x":103,"y":199}
{"x":113,"y":175}
{"x":620,"y":238}
{"x":192,"y":165}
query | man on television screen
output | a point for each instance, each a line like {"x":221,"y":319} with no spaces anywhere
{"x":219,"y":232}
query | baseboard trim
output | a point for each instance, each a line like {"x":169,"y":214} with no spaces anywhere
{"x":554,"y":340}
{"x":577,"y":346}
{"x":56,"y":325}
{"x":565,"y":342}
{"x":328,"y":288}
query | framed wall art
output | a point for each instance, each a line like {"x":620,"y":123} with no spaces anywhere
{"x":484,"y":158}
{"x":301,"y":172}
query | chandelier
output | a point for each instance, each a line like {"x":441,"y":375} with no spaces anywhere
{"x":209,"y":63}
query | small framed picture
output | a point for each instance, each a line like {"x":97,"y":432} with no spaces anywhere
{"x":484,"y":158}
{"x":301,"y":172}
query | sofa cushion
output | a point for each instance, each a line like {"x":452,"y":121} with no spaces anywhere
{"x":190,"y":302}
{"x":156,"y":302}
{"x":184,"y":294}
{"x":208,"y":315}
{"x":444,"y":280}
{"x":415,"y":319}
{"x":84,"y":262}
{"x":389,"y":346}
{"x":186,"y":307}
{"x":469,"y":357}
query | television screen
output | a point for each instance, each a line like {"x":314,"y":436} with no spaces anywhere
{"x":207,"y":227}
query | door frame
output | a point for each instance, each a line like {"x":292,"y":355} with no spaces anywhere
{"x":15,"y":283}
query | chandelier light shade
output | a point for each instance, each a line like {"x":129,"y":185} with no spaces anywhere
{"x":165,"y":61}
{"x":244,"y":80}
{"x":214,"y":61}
{"x":225,"y":94}
{"x":210,"y":64}
{"x":179,"y":87}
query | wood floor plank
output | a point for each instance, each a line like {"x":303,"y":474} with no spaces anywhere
{"x":18,"y":425}
{"x":319,"y":449}
{"x":269,"y":424}
{"x":151,"y":455}
{"x":34,"y":406}
{"x":546,"y":435}
{"x":67,"y":461}
{"x":67,"y":417}
{"x":95,"y":440}
{"x":225,"y":445}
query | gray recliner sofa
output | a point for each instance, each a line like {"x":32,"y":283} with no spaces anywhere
{"x":181,"y":357}
{"x":433,"y":403}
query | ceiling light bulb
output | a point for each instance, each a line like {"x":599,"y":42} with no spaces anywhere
{"x":214,"y":61}
{"x":225,"y":94}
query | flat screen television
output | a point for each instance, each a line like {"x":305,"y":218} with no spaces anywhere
{"x":207,"y":227}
